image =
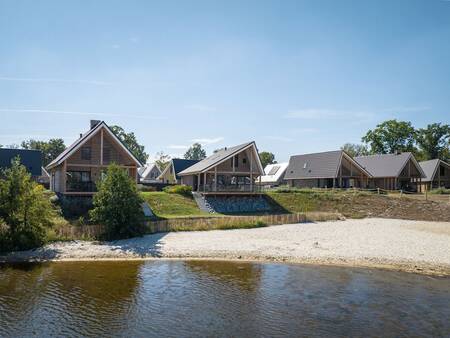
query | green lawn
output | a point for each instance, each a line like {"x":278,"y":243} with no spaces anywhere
{"x":166,"y":205}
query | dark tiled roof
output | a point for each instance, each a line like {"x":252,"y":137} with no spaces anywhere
{"x":180,"y":164}
{"x":317,"y":165}
{"x":385,"y":165}
{"x":429,"y":168}
{"x":215,"y":158}
{"x":31,"y":159}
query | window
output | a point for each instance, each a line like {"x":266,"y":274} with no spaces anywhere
{"x":86,"y":153}
{"x":106,"y":154}
{"x":244,"y":161}
{"x":79,"y":176}
{"x":442,"y":170}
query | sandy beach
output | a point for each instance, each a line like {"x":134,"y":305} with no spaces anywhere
{"x":416,"y":246}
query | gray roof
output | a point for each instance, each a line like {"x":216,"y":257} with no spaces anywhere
{"x":316,"y":165}
{"x":58,"y":160}
{"x":216,"y":158}
{"x":31,"y":159}
{"x":386,"y":165}
{"x":429,"y":168}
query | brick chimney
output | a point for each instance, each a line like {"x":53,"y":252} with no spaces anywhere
{"x":94,"y":123}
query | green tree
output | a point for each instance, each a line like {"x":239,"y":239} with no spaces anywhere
{"x":130,"y":141}
{"x":25,"y":211}
{"x":195,"y":152}
{"x":355,"y":150}
{"x":118,"y":205}
{"x":433,"y":141}
{"x":390,"y":136}
{"x":162,"y":160}
{"x":50,"y":150}
{"x":267,"y":158}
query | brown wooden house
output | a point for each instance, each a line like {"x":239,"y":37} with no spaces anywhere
{"x":232,"y":170}
{"x":437,"y":175}
{"x":399,"y":171}
{"x":77,"y":169}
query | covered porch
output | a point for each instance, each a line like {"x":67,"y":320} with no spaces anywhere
{"x":218,"y":182}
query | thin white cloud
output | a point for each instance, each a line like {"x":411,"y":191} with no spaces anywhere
{"x":280,"y":138}
{"x":54,"y":80}
{"x":316,"y":114}
{"x":200,"y":107}
{"x":63,"y":112}
{"x":177,"y":146}
{"x":135,"y":39}
{"x":204,"y":141}
{"x":116,"y":46}
{"x":406,"y":109}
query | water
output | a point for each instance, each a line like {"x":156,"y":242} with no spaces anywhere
{"x":218,"y":299}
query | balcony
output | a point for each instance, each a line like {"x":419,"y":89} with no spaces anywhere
{"x":76,"y":186}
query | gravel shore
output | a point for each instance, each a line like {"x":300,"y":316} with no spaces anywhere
{"x":387,"y":243}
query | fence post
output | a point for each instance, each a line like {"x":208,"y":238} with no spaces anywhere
{"x":378,"y":191}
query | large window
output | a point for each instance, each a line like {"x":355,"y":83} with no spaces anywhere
{"x":442,"y":170}
{"x":86,"y":153}
{"x":79,"y":176}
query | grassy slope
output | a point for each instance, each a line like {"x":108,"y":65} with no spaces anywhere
{"x":166,"y":205}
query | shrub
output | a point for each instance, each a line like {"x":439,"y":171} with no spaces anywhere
{"x":118,"y":205}
{"x":25,"y":209}
{"x":145,"y":188}
{"x":74,"y":207}
{"x":179,"y":189}
{"x":440,"y":191}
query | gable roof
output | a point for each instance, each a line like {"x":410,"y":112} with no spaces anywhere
{"x":219,"y":157}
{"x":31,"y":159}
{"x":274,"y":172}
{"x":85,"y":137}
{"x":178,"y":165}
{"x":318,"y":165}
{"x":145,"y":170}
{"x":387,"y":165}
{"x":430,"y":168}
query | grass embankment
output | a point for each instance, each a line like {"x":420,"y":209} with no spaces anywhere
{"x":358,"y":204}
{"x":166,"y":205}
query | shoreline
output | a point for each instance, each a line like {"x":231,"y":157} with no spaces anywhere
{"x":386,"y":244}
{"x":407,"y":267}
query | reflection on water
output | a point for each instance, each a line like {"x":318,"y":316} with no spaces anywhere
{"x":200,"y":298}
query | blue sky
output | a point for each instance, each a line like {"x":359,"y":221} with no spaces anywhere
{"x":295,"y":76}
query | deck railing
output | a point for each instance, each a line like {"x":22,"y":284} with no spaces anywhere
{"x":81,"y":187}
{"x":230,"y":188}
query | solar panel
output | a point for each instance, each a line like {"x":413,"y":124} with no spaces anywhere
{"x":274,"y":170}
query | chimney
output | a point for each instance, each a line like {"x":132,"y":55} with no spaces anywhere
{"x":94,"y":123}
{"x":81,"y":135}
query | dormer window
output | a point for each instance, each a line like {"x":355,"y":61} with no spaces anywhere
{"x":305,"y":165}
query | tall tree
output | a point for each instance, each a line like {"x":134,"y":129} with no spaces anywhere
{"x":433,"y":141}
{"x":267,"y":158}
{"x":25,"y":211}
{"x":118,"y":205}
{"x":129,"y":139}
{"x":162,"y":160}
{"x":195,"y":152}
{"x":50,"y":150}
{"x":390,"y":136}
{"x":354,"y":149}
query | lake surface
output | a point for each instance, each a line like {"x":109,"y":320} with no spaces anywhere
{"x":218,"y":299}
